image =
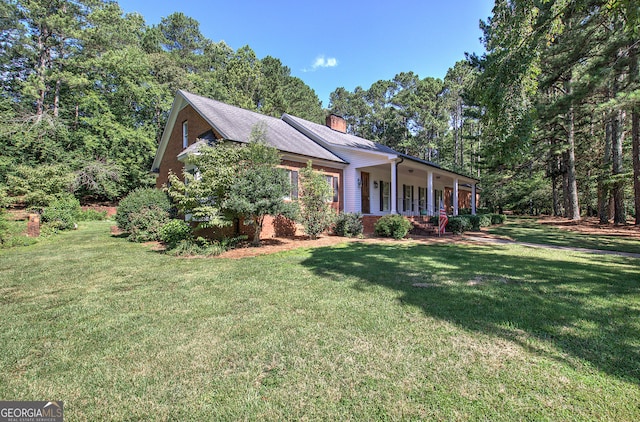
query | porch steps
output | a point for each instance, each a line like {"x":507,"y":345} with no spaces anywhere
{"x":423,"y":227}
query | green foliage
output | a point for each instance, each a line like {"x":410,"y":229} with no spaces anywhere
{"x":348,"y":224}
{"x":234,"y":181}
{"x":260,"y":187}
{"x":459,"y":224}
{"x":484,"y":220}
{"x":83,"y":79}
{"x":392,"y":225}
{"x":316,"y":213}
{"x":203,"y":247}
{"x":498,"y":218}
{"x":174,"y":232}
{"x":98,"y":180}
{"x":139,"y":200}
{"x":474,"y":221}
{"x":4,"y":227}
{"x":92,"y":215}
{"x":61,"y":213}
{"x":37,"y":186}
{"x":145,"y":224}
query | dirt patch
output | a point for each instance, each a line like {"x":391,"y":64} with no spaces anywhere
{"x":592,"y":225}
{"x":280,"y":244}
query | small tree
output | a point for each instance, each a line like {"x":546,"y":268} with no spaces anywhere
{"x":234,"y":181}
{"x":316,"y":214}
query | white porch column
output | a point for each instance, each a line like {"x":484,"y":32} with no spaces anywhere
{"x":394,"y":184}
{"x":455,"y":196}
{"x":430,"y":208}
{"x":473,"y":199}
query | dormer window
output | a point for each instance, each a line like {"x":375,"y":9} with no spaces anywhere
{"x":185,"y":134}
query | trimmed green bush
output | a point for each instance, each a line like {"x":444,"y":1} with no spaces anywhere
{"x":348,"y":224}
{"x":459,"y":224}
{"x":174,"y":232}
{"x":138,"y":200}
{"x":392,"y":225}
{"x":474,"y":221}
{"x":485,"y":220}
{"x":62,"y":213}
{"x":145,"y":225}
{"x":498,"y":218}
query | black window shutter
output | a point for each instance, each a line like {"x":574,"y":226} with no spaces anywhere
{"x":412,"y":197}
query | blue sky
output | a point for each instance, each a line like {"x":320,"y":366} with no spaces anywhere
{"x":335,"y":44}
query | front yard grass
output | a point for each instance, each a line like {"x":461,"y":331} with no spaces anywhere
{"x":121,"y":332}
{"x":527,"y":229}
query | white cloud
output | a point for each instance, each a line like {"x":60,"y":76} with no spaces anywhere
{"x":322,"y":61}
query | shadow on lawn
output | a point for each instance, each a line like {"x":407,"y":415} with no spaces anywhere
{"x":585,"y":311}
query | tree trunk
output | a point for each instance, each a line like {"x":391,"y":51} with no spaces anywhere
{"x":565,"y":186}
{"x":258,"y":221}
{"x":603,"y":185}
{"x":56,"y":98}
{"x":617,"y":138}
{"x":572,"y":186}
{"x":635,"y":131}
{"x":43,"y":59}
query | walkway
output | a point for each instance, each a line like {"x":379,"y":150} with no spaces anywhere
{"x":540,"y":245}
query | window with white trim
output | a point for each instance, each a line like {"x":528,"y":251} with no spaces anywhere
{"x":185,"y":134}
{"x":333,"y":182}
{"x":292,"y":175}
{"x":385,"y":190}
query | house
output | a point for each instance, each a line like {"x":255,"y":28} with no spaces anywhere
{"x":367,"y":177}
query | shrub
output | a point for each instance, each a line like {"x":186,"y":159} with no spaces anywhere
{"x":459,"y":224}
{"x":498,"y":218}
{"x":393,"y":225}
{"x":474,"y":221}
{"x":144,"y":225}
{"x":348,"y":224}
{"x":485,"y":220}
{"x":4,"y":228}
{"x":174,"y":232}
{"x":92,"y":215}
{"x":136,"y":201}
{"x":37,"y":186}
{"x":62,"y":213}
{"x":203,"y":247}
{"x":316,"y":214}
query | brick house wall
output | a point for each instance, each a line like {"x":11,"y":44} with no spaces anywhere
{"x":273,"y":227}
{"x":196,"y":126}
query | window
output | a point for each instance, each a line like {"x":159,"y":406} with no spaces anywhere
{"x":407,"y":197}
{"x":437,"y":198}
{"x":292,"y":175}
{"x":333,"y":182}
{"x":385,"y":188}
{"x":422,"y":199}
{"x":185,"y":134}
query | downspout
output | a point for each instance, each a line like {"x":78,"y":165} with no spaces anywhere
{"x":398,"y":184}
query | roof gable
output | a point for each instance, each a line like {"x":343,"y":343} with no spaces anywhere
{"x":235,"y":124}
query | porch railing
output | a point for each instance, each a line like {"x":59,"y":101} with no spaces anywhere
{"x":413,"y":208}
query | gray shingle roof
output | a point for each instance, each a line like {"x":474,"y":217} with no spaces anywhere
{"x":235,"y":124}
{"x":336,"y":138}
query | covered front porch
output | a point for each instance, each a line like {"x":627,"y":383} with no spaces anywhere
{"x":411,"y":188}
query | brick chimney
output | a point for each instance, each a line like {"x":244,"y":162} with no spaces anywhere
{"x":336,"y":122}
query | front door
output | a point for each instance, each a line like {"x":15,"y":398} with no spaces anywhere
{"x":364,"y":192}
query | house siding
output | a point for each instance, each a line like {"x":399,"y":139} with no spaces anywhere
{"x":358,"y":162}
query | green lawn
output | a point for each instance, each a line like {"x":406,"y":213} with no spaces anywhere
{"x":525,"y":229}
{"x":120,"y":332}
